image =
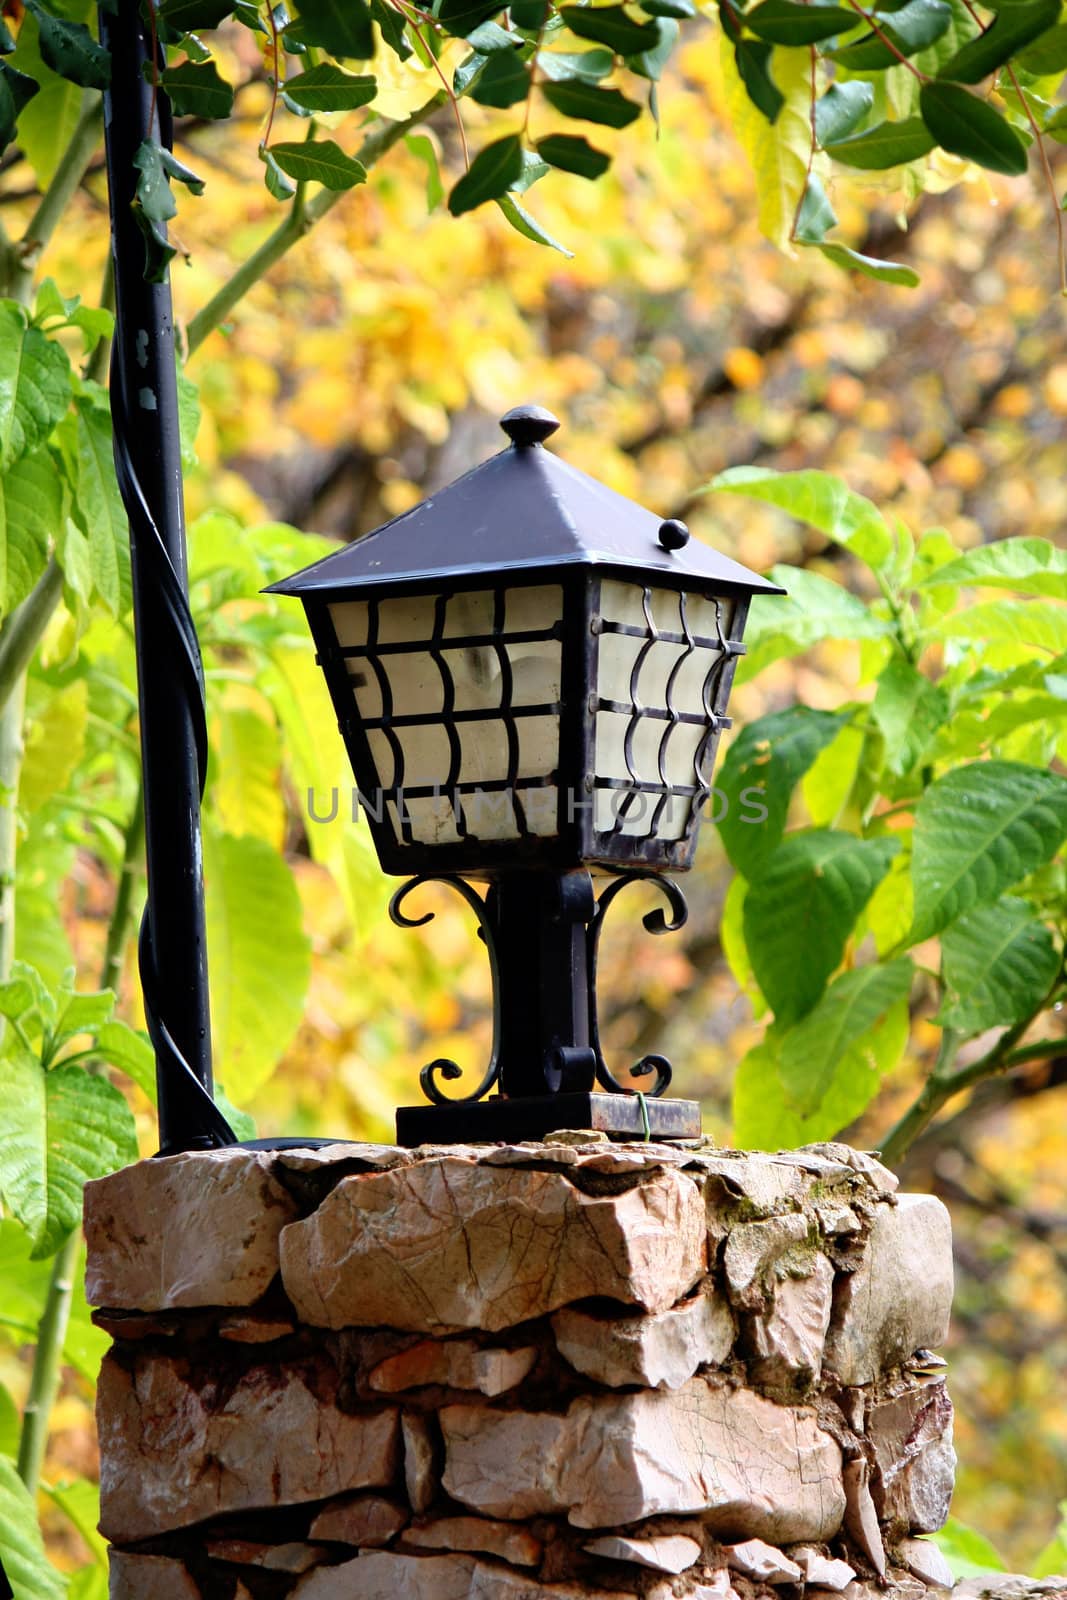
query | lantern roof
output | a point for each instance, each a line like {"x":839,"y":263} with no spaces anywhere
{"x":524,"y":508}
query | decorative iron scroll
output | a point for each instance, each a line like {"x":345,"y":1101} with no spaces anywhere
{"x":450,"y":1070}
{"x":656,"y":922}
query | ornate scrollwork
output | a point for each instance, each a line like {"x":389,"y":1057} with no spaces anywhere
{"x":450,"y":1070}
{"x":657,"y":922}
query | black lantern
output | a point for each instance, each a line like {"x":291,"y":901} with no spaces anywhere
{"x":530,"y":674}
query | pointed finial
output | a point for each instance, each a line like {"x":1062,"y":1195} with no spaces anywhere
{"x":528,"y":425}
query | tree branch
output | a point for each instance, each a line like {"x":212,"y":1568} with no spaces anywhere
{"x":24,"y":256}
{"x":301,"y":218}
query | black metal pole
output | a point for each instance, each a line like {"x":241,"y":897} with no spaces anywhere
{"x":144,"y":403}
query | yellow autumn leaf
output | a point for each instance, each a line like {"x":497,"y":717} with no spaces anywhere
{"x":778,"y":151}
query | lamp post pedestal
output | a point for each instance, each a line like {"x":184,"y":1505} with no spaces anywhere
{"x":546,"y":1072}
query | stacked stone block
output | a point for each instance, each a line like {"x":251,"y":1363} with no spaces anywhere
{"x":574,"y":1370}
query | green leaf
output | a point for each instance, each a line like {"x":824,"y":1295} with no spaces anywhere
{"x":187,"y":15}
{"x":814,"y":609}
{"x":810,"y":1052}
{"x":31,"y":512}
{"x":70,"y":50}
{"x":1052,"y":1560}
{"x":533,"y":170}
{"x":1013,"y":27}
{"x":468,"y":72}
{"x":259,"y":956}
{"x":1029,"y":624}
{"x":129,"y":1052}
{"x":651,"y":62}
{"x":153,"y":190}
{"x":330,"y":88}
{"x":16,"y":92}
{"x":393,"y":29}
{"x":682,"y":9}
{"x":841,"y":109}
{"x":1046,"y":55}
{"x":48,"y":121}
{"x":529,"y":14}
{"x":788,"y":22}
{"x":343,"y":27}
{"x":503,"y":82}
{"x":489,"y":38}
{"x":55,"y":744}
{"x":816,"y":215}
{"x":319,"y":161}
{"x":423,"y":149}
{"x":753,"y":66}
{"x":820,"y":499}
{"x":66,"y":1127}
{"x":978,"y":830}
{"x":1029,"y":566}
{"x":247,"y":791}
{"x":242,"y":1124}
{"x":85,"y":1011}
{"x":98,"y":506}
{"x":195,"y":89}
{"x":25,"y":1288}
{"x":529,"y":227}
{"x":909,"y":710}
{"x":571,"y":153}
{"x":802,"y":908}
{"x":22,"y":1556}
{"x":612,"y":26}
{"x":967,"y":126}
{"x":968,"y":1552}
{"x":763,"y":1117}
{"x":493,"y":172}
{"x":763,"y":766}
{"x":79,"y":1502}
{"x":890,"y":144}
{"x":999,"y":963}
{"x":913,"y":27}
{"x":278,"y":186}
{"x":560,"y":66}
{"x":34,"y":384}
{"x":463,"y":16}
{"x":590,"y":104}
{"x":871,"y":267}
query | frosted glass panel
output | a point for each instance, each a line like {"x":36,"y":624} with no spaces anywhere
{"x":657,"y":681}
{"x":453,"y":660}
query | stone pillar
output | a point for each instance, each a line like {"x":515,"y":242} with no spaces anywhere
{"x":570,"y":1370}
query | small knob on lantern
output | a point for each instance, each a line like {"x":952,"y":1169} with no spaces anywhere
{"x":529,"y":425}
{"x":673,"y":534}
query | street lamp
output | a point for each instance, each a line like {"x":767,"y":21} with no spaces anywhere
{"x":530,"y":674}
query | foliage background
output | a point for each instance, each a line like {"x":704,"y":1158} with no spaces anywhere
{"x":368,"y":370}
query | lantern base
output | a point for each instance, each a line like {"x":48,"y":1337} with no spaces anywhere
{"x":508,"y":1121}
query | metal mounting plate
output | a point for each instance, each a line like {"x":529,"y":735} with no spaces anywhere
{"x":488,"y":1121}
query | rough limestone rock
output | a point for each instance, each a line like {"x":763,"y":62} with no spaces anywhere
{"x":655,"y":1352}
{"x":136,"y":1577}
{"x":454,"y":1364}
{"x":861,"y":1517}
{"x":401,"y":1248}
{"x":668,"y":1552}
{"x":420,"y":1468}
{"x":751,"y":1251}
{"x":172,"y":1454}
{"x":733,"y":1457}
{"x":189,"y":1230}
{"x":271,"y":1557}
{"x":385,"y":1576}
{"x":366,"y":1521}
{"x":822,"y":1572}
{"x":518,"y":1546}
{"x":914,"y":1456}
{"x":761,"y":1562}
{"x":924,"y":1560}
{"x":899,"y":1298}
{"x":1010,"y":1586}
{"x":788,"y":1341}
